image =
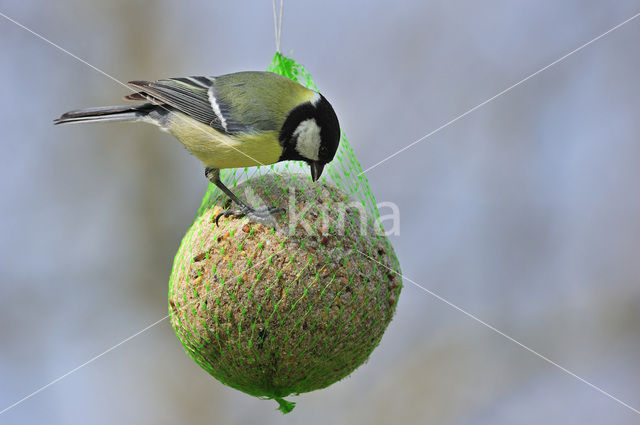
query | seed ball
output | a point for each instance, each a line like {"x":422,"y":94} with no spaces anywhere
{"x":284,"y":309}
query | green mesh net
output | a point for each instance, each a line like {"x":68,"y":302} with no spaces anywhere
{"x":290,"y":308}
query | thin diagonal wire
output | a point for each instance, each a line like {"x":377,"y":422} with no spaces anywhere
{"x":91,"y":360}
{"x":119,"y":82}
{"x":499,"y":332}
{"x":94,"y":358}
{"x":442,"y":127}
{"x":46,"y":40}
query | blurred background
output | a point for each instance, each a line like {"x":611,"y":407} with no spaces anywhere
{"x":524,"y":213}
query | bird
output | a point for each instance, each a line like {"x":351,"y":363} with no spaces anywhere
{"x":236,"y":120}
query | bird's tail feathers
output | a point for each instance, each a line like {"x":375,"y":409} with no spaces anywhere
{"x":106,"y":114}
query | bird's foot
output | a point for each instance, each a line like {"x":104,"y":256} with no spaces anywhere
{"x":262,"y":215}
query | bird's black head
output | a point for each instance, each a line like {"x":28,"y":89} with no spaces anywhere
{"x":311,"y":133}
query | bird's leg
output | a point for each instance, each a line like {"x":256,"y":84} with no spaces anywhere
{"x":263,"y":215}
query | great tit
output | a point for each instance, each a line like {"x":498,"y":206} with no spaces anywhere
{"x":236,"y":120}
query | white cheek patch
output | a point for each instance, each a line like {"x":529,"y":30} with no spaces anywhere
{"x":308,"y":136}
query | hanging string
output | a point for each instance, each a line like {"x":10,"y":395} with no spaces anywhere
{"x":277,"y":23}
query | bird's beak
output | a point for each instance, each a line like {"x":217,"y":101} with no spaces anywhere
{"x":316,"y":170}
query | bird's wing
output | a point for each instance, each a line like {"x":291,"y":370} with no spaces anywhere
{"x":242,"y":102}
{"x":257,"y":100}
{"x":193,"y":96}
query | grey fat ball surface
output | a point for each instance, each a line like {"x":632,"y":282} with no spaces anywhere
{"x":236,"y":120}
{"x":275,"y":311}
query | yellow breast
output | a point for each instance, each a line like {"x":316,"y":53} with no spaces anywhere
{"x":218,"y":150}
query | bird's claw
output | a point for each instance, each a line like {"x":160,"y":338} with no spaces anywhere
{"x":262,"y":216}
